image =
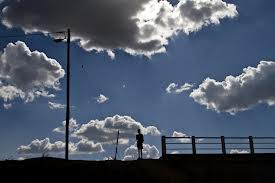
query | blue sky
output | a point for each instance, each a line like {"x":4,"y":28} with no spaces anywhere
{"x":136,"y":85}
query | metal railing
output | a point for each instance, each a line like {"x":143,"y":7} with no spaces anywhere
{"x":217,"y":145}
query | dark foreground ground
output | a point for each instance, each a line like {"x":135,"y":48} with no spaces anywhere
{"x":188,"y":168}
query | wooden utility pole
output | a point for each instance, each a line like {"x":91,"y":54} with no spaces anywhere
{"x":117,"y":143}
{"x":68,"y":95}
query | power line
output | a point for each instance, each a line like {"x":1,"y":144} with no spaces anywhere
{"x":29,"y":35}
{"x":20,"y":35}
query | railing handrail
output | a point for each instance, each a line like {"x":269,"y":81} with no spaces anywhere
{"x":217,"y":137}
{"x":193,"y":141}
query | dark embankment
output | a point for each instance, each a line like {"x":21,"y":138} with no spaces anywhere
{"x":188,"y":168}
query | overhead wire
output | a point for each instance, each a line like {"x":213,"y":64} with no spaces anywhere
{"x":33,"y":34}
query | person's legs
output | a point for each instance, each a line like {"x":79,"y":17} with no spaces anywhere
{"x":138,"y":153}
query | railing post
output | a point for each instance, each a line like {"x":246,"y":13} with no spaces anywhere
{"x":251,"y":144}
{"x":194,"y":145}
{"x":163,"y":146}
{"x":223,"y":145}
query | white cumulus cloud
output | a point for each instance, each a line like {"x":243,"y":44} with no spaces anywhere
{"x":45,"y":146}
{"x":105,"y":131}
{"x":239,"y":93}
{"x":7,"y":106}
{"x":85,"y":146}
{"x":73,"y":126}
{"x":180,"y":134}
{"x":174,"y":88}
{"x":101,"y":99}
{"x":238,"y":151}
{"x":108,"y":158}
{"x":148,"y":152}
{"x":53,"y":105}
{"x":139,"y":27}
{"x":41,"y":146}
{"x":27,"y":74}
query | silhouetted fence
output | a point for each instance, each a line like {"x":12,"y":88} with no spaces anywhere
{"x":217,"y":145}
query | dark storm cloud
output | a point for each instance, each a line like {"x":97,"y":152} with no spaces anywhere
{"x":139,"y":27}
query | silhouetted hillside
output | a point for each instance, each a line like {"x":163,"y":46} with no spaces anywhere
{"x":188,"y":168}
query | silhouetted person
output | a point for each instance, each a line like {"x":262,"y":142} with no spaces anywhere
{"x":140,"y":140}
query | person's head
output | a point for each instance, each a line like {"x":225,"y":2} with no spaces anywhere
{"x":138,"y":131}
